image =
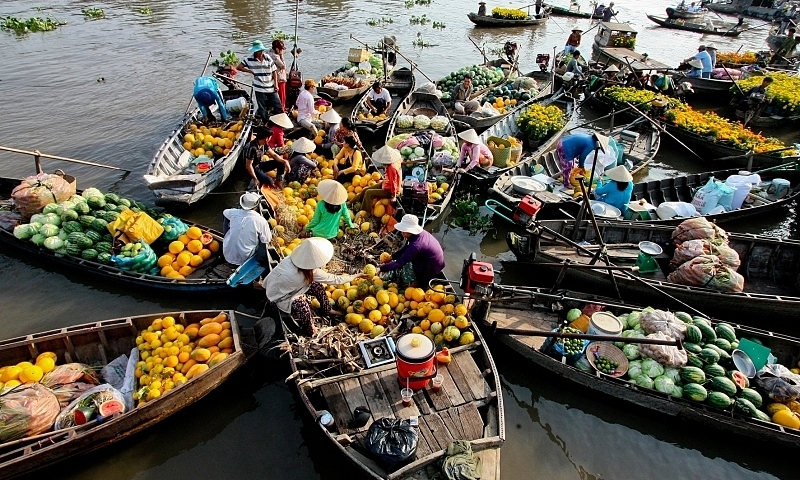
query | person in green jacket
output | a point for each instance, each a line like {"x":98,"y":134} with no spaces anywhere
{"x":329,"y":210}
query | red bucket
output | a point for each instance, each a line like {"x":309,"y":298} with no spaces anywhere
{"x":415,"y":357}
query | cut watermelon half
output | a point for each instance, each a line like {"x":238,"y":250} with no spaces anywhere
{"x":110,"y":407}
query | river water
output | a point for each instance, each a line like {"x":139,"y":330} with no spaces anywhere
{"x":111,"y":90}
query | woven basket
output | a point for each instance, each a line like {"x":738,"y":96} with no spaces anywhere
{"x":608,"y":350}
{"x":500,"y":155}
{"x":428,"y":112}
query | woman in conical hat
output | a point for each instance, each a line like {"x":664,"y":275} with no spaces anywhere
{"x":329,"y":210}
{"x":474,"y":149}
{"x":618,"y":191}
{"x":301,"y":165}
{"x":301,"y":274}
{"x":392,"y":183}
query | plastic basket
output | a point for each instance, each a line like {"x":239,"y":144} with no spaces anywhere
{"x":358,"y":55}
{"x":608,"y":350}
{"x":501,"y":156}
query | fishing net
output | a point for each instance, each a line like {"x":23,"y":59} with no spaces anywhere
{"x":27,"y":410}
{"x":709,"y":272}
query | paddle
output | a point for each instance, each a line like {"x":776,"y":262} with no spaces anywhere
{"x":609,"y":115}
{"x":188,"y":107}
{"x":753,"y":28}
{"x":664,"y":130}
{"x":557,"y":25}
{"x":39,"y":155}
{"x":769,"y":152}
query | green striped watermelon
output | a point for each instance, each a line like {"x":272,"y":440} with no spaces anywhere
{"x":722,"y":384}
{"x":753,"y":396}
{"x":718,"y":400}
{"x":725,"y":331}
{"x":694,"y":392}
{"x":692,"y":375}
{"x":693,"y":334}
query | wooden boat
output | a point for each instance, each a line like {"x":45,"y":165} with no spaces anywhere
{"x":430,"y":105}
{"x":482,"y":177}
{"x":96,"y":344}
{"x":703,"y":87}
{"x":724,"y":30}
{"x":469,"y":407}
{"x":334,"y":95}
{"x":682,"y":13}
{"x":487,"y":21}
{"x":209,"y":277}
{"x":615,"y":35}
{"x":568,"y":12}
{"x":532,"y":311}
{"x":171,"y":175}
{"x":400,"y":85}
{"x":724,"y":7}
{"x":770,"y":266}
{"x":639,"y":152}
{"x":764,"y":121}
{"x":774,"y":41}
{"x":625,"y":58}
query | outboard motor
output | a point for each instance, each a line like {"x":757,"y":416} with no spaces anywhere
{"x":526,"y":210}
{"x":682,"y":90}
{"x":476,"y":277}
{"x":543,"y":60}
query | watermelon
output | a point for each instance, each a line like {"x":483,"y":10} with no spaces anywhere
{"x":762,"y":416}
{"x":93,"y":236}
{"x":739,"y":378}
{"x":708,"y":333}
{"x":708,"y":355}
{"x":694,"y":361}
{"x":718,"y":400}
{"x":110,"y":407}
{"x":103,"y":247}
{"x":110,"y":216}
{"x":702,"y":320}
{"x":722,"y":384}
{"x":745,"y":407}
{"x":82,"y":208}
{"x":108,"y":238}
{"x":692,"y":375}
{"x":75,"y":237}
{"x":96,"y":202}
{"x":89,"y":254}
{"x":694,"y":392}
{"x":684,"y":317}
{"x":725,"y":331}
{"x":753,"y":396}
{"x":694,"y":334}
{"x":112,"y":198}
{"x":714,"y":370}
{"x":723,"y":355}
{"x":124,"y":202}
{"x":723,"y":344}
{"x":68,"y":215}
{"x":109,"y":207}
{"x":86,"y":220}
{"x":104,"y":258}
{"x":100,"y":225}
{"x":692,"y":347}
{"x":72,"y":227}
{"x":72,"y":249}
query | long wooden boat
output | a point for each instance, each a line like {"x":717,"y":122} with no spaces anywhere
{"x":491,"y":22}
{"x":335,"y":95}
{"x":769,"y":265}
{"x":482,"y":177}
{"x":566,"y":12}
{"x":400,"y":85}
{"x":209,"y":277}
{"x":723,"y":31}
{"x":679,"y":13}
{"x":703,"y":86}
{"x":533,"y":312}
{"x":775,"y":41}
{"x":724,"y":7}
{"x":640,"y":152}
{"x":171,"y":175}
{"x":764,"y":121}
{"x":469,"y":407}
{"x":426,"y":102}
{"x":96,"y":344}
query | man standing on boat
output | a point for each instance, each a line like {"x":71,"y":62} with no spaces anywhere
{"x":461,"y":94}
{"x":247,"y":232}
{"x":711,"y":49}
{"x":574,"y":41}
{"x":482,"y":9}
{"x":786,"y":49}
{"x":265,"y":79}
{"x":608,"y":12}
{"x":255,"y":164}
{"x":207,"y":93}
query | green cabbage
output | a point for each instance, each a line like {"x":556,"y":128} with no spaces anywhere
{"x":631,"y":351}
{"x":677,"y":391}
{"x":37,"y":218}
{"x":634,"y":319}
{"x":50,"y":208}
{"x":651,"y":368}
{"x":52,"y":219}
{"x":405,"y":121}
{"x":53,"y":243}
{"x":23,"y":232}
{"x":664,"y":384}
{"x":634,"y":368}
{"x":644,"y":381}
{"x":49,"y":230}
{"x":91,"y":192}
{"x":421,"y":122}
{"x":38,"y":239}
{"x":34,"y":227}
{"x":673,"y":374}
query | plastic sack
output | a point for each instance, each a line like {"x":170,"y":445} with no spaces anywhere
{"x":136,"y":226}
{"x":36,"y":191}
{"x":525,"y":83}
{"x":427,"y":87}
{"x":443,"y":160}
{"x":130,"y":382}
{"x":778,"y":382}
{"x":459,"y":462}
{"x":70,"y":391}
{"x":486,"y":111}
{"x":91,"y":399}
{"x":727,"y":256}
{"x":141,"y":263}
{"x":173,"y":228}
{"x":670,"y":210}
{"x":27,"y":410}
{"x":667,"y":355}
{"x":114,"y":373}
{"x":391,"y":441}
{"x":689,"y":250}
{"x":68,"y":373}
{"x":709,"y":272}
{"x":699,"y":228}
{"x":394,"y":141}
{"x":661,"y":321}
{"x":712,"y":194}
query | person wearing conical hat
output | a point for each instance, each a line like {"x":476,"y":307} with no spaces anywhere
{"x":248,"y":232}
{"x":265,"y":80}
{"x":301,"y":274}
{"x":578,"y":146}
{"x":332,"y":120}
{"x":277,"y":123}
{"x":474,"y":150}
{"x":255,"y":164}
{"x":618,"y":190}
{"x":422,"y":251}
{"x":392,"y":184}
{"x":329,"y":211}
{"x":696,"y":70}
{"x":301,"y":166}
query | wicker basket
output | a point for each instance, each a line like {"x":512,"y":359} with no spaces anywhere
{"x":428,"y":112}
{"x":358,"y":55}
{"x":500,"y":155}
{"x":608,"y":350}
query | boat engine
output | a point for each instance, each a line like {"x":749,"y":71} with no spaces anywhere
{"x":526,"y":210}
{"x":543,"y":60}
{"x":415,"y":197}
{"x":476,"y":277}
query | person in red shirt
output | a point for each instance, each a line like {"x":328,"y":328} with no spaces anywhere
{"x":277,"y":123}
{"x":391,"y":186}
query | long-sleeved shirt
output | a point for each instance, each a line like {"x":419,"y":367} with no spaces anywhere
{"x":577,"y":145}
{"x":276,"y":140}
{"x":607,"y":14}
{"x":326,"y":224}
{"x":612,"y":195}
{"x":331,"y":135}
{"x":206,"y":92}
{"x":392,"y":182}
{"x":342,"y":133}
{"x":286,"y":282}
{"x":305,"y":105}
{"x":425,"y":255}
{"x":352,"y":157}
{"x":574,"y":39}
{"x":474,"y":152}
{"x":705,"y":59}
{"x":247,"y":228}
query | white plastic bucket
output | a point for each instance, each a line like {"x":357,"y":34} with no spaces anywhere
{"x":604,"y":323}
{"x":236,"y":105}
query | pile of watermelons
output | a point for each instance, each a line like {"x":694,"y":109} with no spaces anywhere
{"x":482,"y":77}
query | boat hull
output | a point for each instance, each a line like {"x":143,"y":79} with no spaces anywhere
{"x":491,"y":22}
{"x":676,"y":25}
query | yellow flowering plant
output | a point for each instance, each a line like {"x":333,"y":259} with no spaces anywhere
{"x":784,"y":92}
{"x":539,"y":122}
{"x":509,"y":13}
{"x":619,"y":95}
{"x":734,"y":58}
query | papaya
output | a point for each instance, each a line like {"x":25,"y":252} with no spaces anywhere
{"x":226,"y":325}
{"x":206,"y":321}
{"x":217,"y":359}
{"x":226,"y":333}
{"x":226,"y":350}
{"x":186,"y":366}
{"x":210,"y":328}
{"x":191,"y":332}
{"x":222,"y":317}
{"x":196,"y":370}
{"x":225,"y":343}
{"x":209,"y":340}
{"x":200,"y":355}
{"x":192,"y":325}
{"x":213,"y":349}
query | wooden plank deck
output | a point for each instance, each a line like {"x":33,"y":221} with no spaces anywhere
{"x":518,"y":318}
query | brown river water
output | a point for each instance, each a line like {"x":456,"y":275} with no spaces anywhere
{"x":254,"y":426}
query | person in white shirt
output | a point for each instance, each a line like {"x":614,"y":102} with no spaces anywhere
{"x":378,"y":99}
{"x":301,"y":274}
{"x":305,"y":107}
{"x":248,"y":232}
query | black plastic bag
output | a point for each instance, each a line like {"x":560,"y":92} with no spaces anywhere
{"x":391,"y":441}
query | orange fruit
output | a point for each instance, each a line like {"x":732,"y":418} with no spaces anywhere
{"x":205,"y":253}
{"x":175,"y":247}
{"x":184,"y":239}
{"x":167,"y":270}
{"x":186,"y":270}
{"x":195,"y":246}
{"x":196,"y":261}
{"x":183,"y":259}
{"x":214,"y":246}
{"x":165,"y":260}
{"x":194,"y":233}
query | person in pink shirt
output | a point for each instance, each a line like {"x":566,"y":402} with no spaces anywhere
{"x":305,"y":107}
{"x":475,"y":150}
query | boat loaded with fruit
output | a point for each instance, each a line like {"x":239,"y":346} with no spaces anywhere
{"x":69,"y":391}
{"x":719,"y":374}
{"x":407,"y":361}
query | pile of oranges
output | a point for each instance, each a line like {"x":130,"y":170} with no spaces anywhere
{"x":187,"y":253}
{"x":211,"y":142}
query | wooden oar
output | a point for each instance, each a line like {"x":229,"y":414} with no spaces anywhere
{"x":769,"y":152}
{"x":609,"y":115}
{"x":38,"y":155}
{"x":664,"y":130}
{"x":188,"y":107}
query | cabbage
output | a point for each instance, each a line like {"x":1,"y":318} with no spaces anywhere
{"x":631,"y":351}
{"x":34,"y":227}
{"x":626,"y":334}
{"x":421,"y":122}
{"x":49,"y":230}
{"x":643,"y":381}
{"x":624,"y":319}
{"x":651,"y":368}
{"x":419,"y":152}
{"x":634,"y":368}
{"x":634,"y":319}
{"x":406,"y":151}
{"x":23,"y":232}
{"x":53,"y":243}
{"x":37,"y":218}
{"x":677,"y":391}
{"x":38,"y":239}
{"x":50,"y":208}
{"x":52,"y":219}
{"x":663,"y":383}
{"x":92,"y":192}
{"x":75,"y":198}
{"x":62,"y":234}
{"x":439,"y":123}
{"x":405,"y":121}
{"x":673,"y":374}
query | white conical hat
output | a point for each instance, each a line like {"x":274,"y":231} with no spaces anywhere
{"x":386,"y":155}
{"x":331,"y":116}
{"x":303,"y":145}
{"x":332,"y":192}
{"x":314,"y":252}
{"x":619,"y":174}
{"x":282,"y":120}
{"x":470,"y":136}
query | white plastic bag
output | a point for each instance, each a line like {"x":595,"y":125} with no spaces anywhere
{"x":667,"y":355}
{"x":712,"y":194}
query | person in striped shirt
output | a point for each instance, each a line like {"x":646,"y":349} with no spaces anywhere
{"x":265,"y":79}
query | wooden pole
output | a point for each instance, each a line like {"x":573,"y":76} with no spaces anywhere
{"x":188,"y":107}
{"x":37,"y":155}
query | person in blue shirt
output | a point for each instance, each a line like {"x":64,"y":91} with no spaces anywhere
{"x":696,"y":70}
{"x":705,"y":59}
{"x":570,"y":147}
{"x":207,"y":93}
{"x":618,"y":191}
